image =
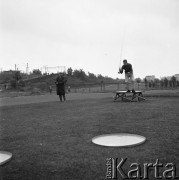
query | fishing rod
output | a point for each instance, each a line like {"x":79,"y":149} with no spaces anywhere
{"x":122,"y":45}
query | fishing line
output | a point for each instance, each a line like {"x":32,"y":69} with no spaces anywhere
{"x":122,"y":45}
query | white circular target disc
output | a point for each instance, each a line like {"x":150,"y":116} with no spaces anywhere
{"x":119,"y":140}
{"x":5,"y":157}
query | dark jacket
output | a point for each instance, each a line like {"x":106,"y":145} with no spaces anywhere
{"x":127,"y":68}
{"x":60,"y":85}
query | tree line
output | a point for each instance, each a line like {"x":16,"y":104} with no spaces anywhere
{"x":82,"y":75}
{"x":16,"y":78}
{"x":156,"y":83}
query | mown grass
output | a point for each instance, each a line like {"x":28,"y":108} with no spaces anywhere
{"x":52,"y":140}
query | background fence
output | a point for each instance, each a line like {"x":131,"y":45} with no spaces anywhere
{"x":90,"y":88}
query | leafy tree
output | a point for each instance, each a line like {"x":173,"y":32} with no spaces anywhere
{"x":4,"y":78}
{"x":79,"y":74}
{"x":91,"y":75}
{"x":70,"y":71}
{"x":100,"y":76}
{"x":177,"y":83}
{"x":170,"y":83}
{"x":21,"y":83}
{"x":36,"y":72}
{"x":45,"y":74}
{"x":156,"y":82}
{"x":15,"y":79}
{"x":174,"y":81}
{"x":162,"y":83}
{"x":153,"y":83}
{"x":146,"y":82}
{"x":150,"y":84}
{"x":13,"y":83}
{"x":165,"y":82}
{"x":17,"y":75}
{"x":138,"y":80}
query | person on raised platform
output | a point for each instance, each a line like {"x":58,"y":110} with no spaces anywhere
{"x":129,"y":77}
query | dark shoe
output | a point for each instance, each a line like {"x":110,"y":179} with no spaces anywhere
{"x":128,"y":91}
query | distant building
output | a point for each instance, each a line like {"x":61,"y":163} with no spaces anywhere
{"x":150,"y":78}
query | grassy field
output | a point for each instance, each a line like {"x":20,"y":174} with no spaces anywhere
{"x":52,"y":140}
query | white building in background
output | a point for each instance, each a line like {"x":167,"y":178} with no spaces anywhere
{"x":150,"y":78}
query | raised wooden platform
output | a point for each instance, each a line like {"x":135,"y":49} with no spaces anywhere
{"x":126,"y":96}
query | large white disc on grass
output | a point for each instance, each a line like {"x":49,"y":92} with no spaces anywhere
{"x":118,"y":140}
{"x":5,"y":157}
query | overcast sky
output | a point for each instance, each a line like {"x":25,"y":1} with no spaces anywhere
{"x":91,"y":35}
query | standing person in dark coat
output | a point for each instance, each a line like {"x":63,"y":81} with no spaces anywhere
{"x":60,"y":84}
